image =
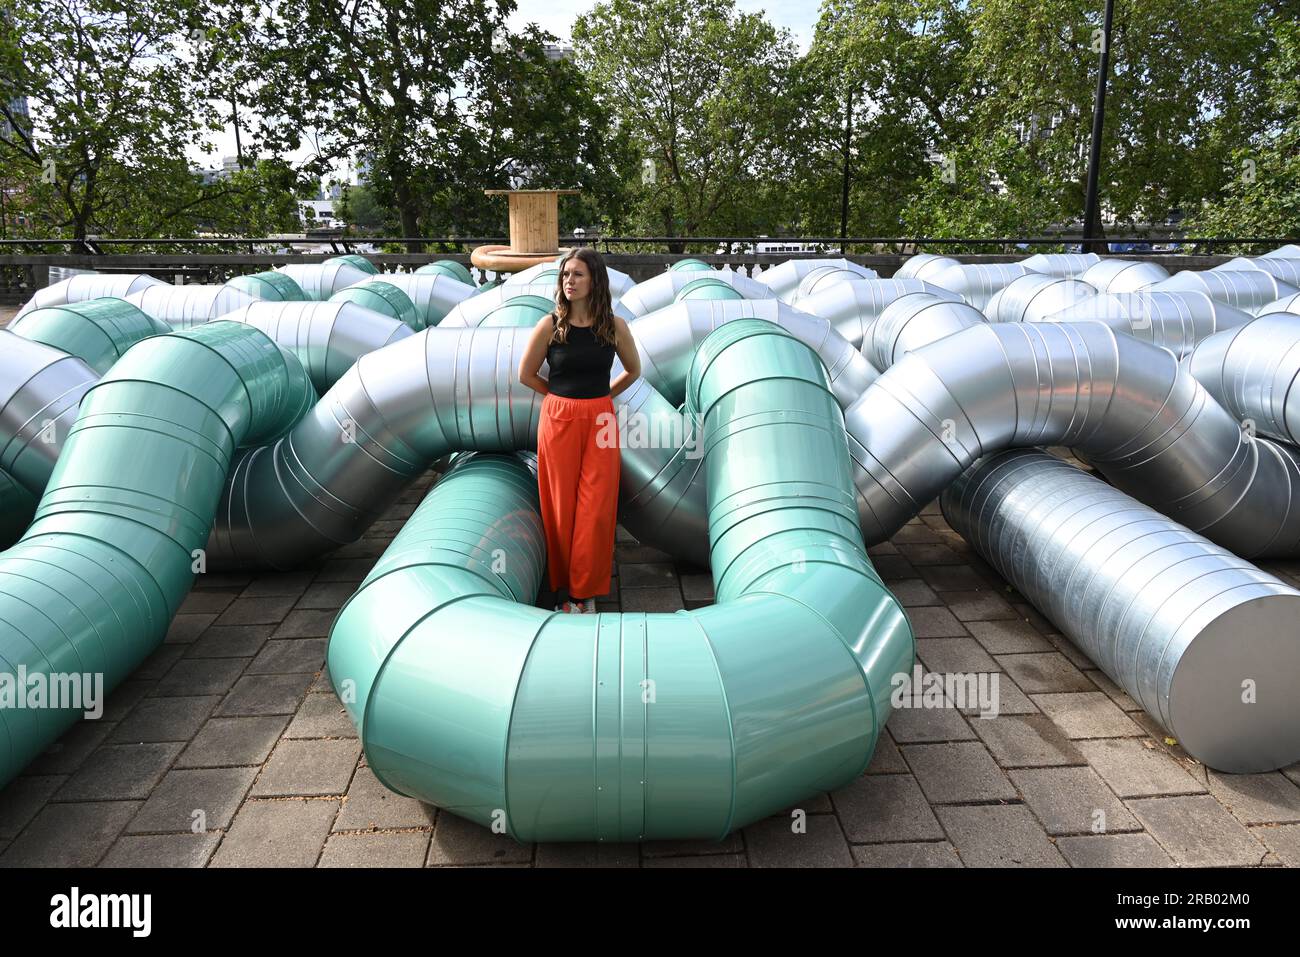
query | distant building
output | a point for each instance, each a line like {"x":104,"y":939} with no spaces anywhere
{"x":18,"y":108}
{"x":361,"y":171}
{"x":559,"y":51}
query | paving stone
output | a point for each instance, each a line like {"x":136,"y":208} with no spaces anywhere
{"x":277,"y":834}
{"x":1072,"y":801}
{"x":185,"y":629}
{"x":217,"y":792}
{"x":1292,"y":773}
{"x":123,"y":698}
{"x":952,"y":578}
{"x":1025,"y":741}
{"x":120,"y":772}
{"x":887,"y":759}
{"x":159,"y":663}
{"x":934,"y":621}
{"x":323,"y":683}
{"x":647,"y":575}
{"x":915,"y":725}
{"x":1196,"y":831}
{"x":308,"y":769}
{"x":1008,"y":637}
{"x":982,"y":605}
{"x":321,"y":716}
{"x":587,"y":855}
{"x":1257,"y":798}
{"x":164,"y":719}
{"x":265,"y":694}
{"x":69,"y":835}
{"x":929,"y":854}
{"x":954,"y":656}
{"x":458,"y":841}
{"x":914,"y":593}
{"x":697,"y":587}
{"x":1113,"y":850}
{"x":71,"y":750}
{"x":193,"y":677}
{"x":344,"y":570}
{"x":223,"y":581}
{"x":930,"y":555}
{"x":880,"y":808}
{"x":22,"y":799}
{"x":773,"y":843}
{"x":1283,"y":841}
{"x":232,"y":641}
{"x":1113,"y":691}
{"x":957,"y":772}
{"x":257,"y":611}
{"x":1088,"y":714}
{"x":1009,"y":698}
{"x":269,"y":584}
{"x":289,"y":656}
{"x":652,"y":599}
{"x":371,"y":805}
{"x":893,"y":567}
{"x":999,"y":835}
{"x":306,"y":623}
{"x":227,"y":742}
{"x":731,"y":844}
{"x":1136,"y":768}
{"x":162,"y":850}
{"x":376,"y":849}
{"x":370,"y":548}
{"x":327,"y":595}
{"x":621,"y":534}
{"x":916,"y":533}
{"x":628,"y":553}
{"x":1067,"y":647}
{"x":1045,"y":672}
{"x":207,"y":602}
{"x":707,"y":860}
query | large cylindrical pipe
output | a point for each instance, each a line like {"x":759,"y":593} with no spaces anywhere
{"x":182,"y":307}
{"x":822,"y":278}
{"x":90,"y":286}
{"x":270,"y":285}
{"x":1253,"y":371}
{"x":92,"y":586}
{"x":1136,"y":415}
{"x":319,"y":281}
{"x":1123,"y":275}
{"x":96,"y":331}
{"x":853,"y":307}
{"x":1245,"y":289}
{"x":977,"y":282}
{"x":1035,"y":296}
{"x":1287,"y":270}
{"x":1176,"y":321}
{"x":637,"y":726}
{"x":661,"y":291}
{"x":784,"y":279}
{"x":1203,"y":640}
{"x":1062,"y":265}
{"x":911,"y":322}
{"x":383,"y":297}
{"x":924,"y":266}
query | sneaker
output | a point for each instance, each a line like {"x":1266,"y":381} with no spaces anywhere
{"x":571,"y":608}
{"x":589,"y":606}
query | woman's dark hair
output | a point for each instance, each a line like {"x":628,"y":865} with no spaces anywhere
{"x":599,"y":304}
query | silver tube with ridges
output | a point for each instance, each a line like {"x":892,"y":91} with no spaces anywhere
{"x":1203,"y":640}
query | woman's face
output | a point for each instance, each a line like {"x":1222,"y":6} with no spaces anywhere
{"x":576,"y":280}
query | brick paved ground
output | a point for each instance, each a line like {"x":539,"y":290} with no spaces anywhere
{"x":234,"y":716}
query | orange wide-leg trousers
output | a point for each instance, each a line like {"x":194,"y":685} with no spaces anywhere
{"x":578,"y":463}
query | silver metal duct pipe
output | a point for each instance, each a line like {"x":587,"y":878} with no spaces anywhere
{"x":183,"y":307}
{"x":1124,"y":275}
{"x":90,"y":286}
{"x":1128,"y":406}
{"x":40,"y":391}
{"x":1033,"y":297}
{"x":1289,"y":304}
{"x":1291,"y":251}
{"x":925,"y":266}
{"x":327,"y":337}
{"x":1246,"y":290}
{"x":433,"y":294}
{"x":1253,"y":372}
{"x":1063,"y":265}
{"x":470,"y":313}
{"x":1176,"y":321}
{"x":911,"y":322}
{"x":661,"y":291}
{"x":784,"y":279}
{"x":1288,"y":270}
{"x":820,"y":279}
{"x":978,"y":282}
{"x":1203,"y":640}
{"x":619,"y":282}
{"x":668,"y":338}
{"x":319,"y":281}
{"x":853,"y":307}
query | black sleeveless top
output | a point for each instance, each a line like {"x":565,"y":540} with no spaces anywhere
{"x":579,"y":368}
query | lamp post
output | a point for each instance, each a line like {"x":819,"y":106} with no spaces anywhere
{"x":1091,"y":212}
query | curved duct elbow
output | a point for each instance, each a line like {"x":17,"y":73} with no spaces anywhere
{"x":270,"y":285}
{"x":925,"y":266}
{"x":40,"y":390}
{"x":358,"y":262}
{"x":636,"y":726}
{"x":661,"y":291}
{"x":1246,"y":290}
{"x":784,"y":278}
{"x":915,"y":321}
{"x":96,"y":331}
{"x":1032,"y":297}
{"x":1291,"y":251}
{"x":1062,"y":265}
{"x":434,"y":295}
{"x":619,"y":282}
{"x":1176,"y":321}
{"x":90,"y":286}
{"x":319,"y":281}
{"x":326,"y":337}
{"x":853,"y":307}
{"x":976,"y":283}
{"x":1123,"y":275}
{"x":1180,"y":624}
{"x":1287,"y":270}
{"x":1138,"y":417}
{"x":1252,"y":372}
{"x":92,"y":586}
{"x":183,"y":307}
{"x":820,"y":279}
{"x":385,"y":298}
{"x":1289,"y":304}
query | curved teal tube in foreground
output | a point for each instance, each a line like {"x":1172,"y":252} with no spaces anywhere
{"x":636,"y":726}
{"x":92,"y":586}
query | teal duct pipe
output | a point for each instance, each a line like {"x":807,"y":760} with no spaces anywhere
{"x":91,"y":587}
{"x":448,"y":267}
{"x":707,"y":287}
{"x":636,"y":726}
{"x":360,"y":262}
{"x":97,"y":331}
{"x":526,"y":310}
{"x":17,"y":506}
{"x":270,"y":285}
{"x":384,"y":298}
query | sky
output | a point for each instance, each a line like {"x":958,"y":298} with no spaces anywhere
{"x":557,"y":16}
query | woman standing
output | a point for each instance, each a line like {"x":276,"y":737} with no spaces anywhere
{"x":577,"y":464}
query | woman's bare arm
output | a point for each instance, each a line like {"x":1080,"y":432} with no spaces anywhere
{"x":535,"y":355}
{"x":625,"y":345}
